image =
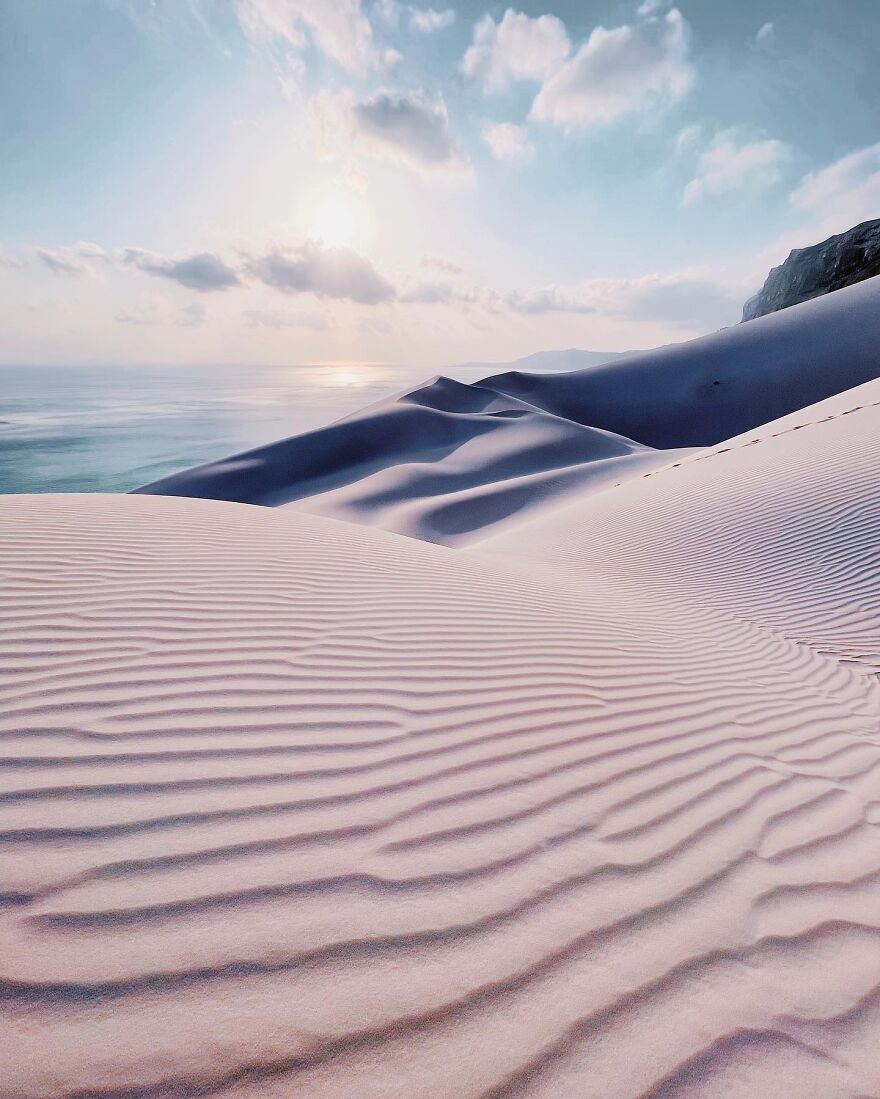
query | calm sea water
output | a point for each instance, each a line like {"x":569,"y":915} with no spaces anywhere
{"x":110,"y":429}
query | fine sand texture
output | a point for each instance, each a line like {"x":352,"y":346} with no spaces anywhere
{"x":295,"y":807}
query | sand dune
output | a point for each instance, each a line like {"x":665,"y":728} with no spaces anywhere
{"x":781,"y":525}
{"x":451,"y":463}
{"x":587,"y":806}
{"x":296,"y":807}
{"x":441,"y":463}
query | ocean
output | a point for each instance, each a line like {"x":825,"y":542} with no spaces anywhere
{"x":111,"y":429}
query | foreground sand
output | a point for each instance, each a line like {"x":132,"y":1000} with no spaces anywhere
{"x":292,"y":807}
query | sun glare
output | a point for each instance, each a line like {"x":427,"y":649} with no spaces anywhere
{"x":347,"y":379}
{"x":333,"y":222}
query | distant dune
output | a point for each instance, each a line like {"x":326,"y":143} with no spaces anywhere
{"x":588,"y":806}
{"x":448,"y":461}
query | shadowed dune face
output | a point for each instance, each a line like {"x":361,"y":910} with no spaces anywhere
{"x":294,"y":807}
{"x":699,"y":393}
{"x":453,"y":463}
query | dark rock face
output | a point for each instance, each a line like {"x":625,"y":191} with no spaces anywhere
{"x":810,"y":272}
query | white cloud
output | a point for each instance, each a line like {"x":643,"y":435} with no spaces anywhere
{"x":391,"y":58}
{"x":619,"y":71}
{"x":401,"y":126}
{"x":517,"y":48}
{"x":845,"y":192}
{"x":339,"y":273}
{"x":202,"y":271}
{"x":338,"y":28}
{"x":732,"y":164}
{"x":507,"y":141}
{"x":427,"y":20}
{"x":766,"y":36}
{"x":692,"y":298}
{"x":650,"y":7}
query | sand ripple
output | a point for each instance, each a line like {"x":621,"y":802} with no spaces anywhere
{"x":292,"y":807}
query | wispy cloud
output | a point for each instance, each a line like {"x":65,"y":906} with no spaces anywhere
{"x":193,"y":315}
{"x":275,"y":318}
{"x":691,"y":298}
{"x":138,"y":315}
{"x":687,"y":138}
{"x":766,"y":36}
{"x":438,"y":263}
{"x":428,"y":20}
{"x":72,"y":259}
{"x":732,"y":163}
{"x":846,"y":190}
{"x":507,"y":141}
{"x":338,"y":28}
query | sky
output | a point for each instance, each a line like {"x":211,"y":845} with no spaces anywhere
{"x":309,"y":181}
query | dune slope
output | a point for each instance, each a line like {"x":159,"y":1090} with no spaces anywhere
{"x":780,"y":525}
{"x":294,"y":807}
{"x":441,"y":463}
{"x":450,"y":463}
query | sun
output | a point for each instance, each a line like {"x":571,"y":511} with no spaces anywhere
{"x":333,"y":222}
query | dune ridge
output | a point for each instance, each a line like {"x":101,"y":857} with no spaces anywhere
{"x":452,"y":463}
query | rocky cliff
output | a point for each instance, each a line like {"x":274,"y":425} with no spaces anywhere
{"x":810,"y":272}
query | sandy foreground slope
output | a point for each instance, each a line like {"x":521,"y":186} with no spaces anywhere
{"x":295,"y":807}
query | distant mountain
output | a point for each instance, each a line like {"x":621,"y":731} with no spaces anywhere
{"x":811,"y":272}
